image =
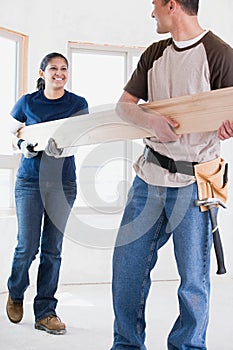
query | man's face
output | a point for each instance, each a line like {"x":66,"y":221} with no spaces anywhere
{"x":161,"y":14}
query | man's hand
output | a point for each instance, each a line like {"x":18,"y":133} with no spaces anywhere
{"x":162,"y":127}
{"x":27,"y":148}
{"x":52,"y":150}
{"x":225,"y":131}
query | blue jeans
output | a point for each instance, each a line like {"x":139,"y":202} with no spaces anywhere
{"x":42,"y":211}
{"x":154,"y":214}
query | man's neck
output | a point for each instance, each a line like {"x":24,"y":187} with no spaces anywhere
{"x":187,"y":29}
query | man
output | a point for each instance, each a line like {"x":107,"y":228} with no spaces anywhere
{"x":161,"y":200}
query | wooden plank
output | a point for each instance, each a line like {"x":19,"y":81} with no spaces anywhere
{"x":199,"y":112}
{"x":87,"y":129}
{"x":195,"y":113}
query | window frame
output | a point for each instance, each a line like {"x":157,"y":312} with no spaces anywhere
{"x":21,"y":62}
{"x":21,"y":58}
{"x":129,"y":52}
{"x":87,"y":47}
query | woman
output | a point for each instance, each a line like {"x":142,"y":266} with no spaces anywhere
{"x":45,"y":191}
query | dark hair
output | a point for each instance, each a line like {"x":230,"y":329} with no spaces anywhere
{"x":188,"y":6}
{"x":40,"y":85}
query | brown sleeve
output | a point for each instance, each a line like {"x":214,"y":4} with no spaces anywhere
{"x":138,"y":83}
{"x":220,"y":60}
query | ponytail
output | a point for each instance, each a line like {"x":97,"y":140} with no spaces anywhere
{"x":40,"y":85}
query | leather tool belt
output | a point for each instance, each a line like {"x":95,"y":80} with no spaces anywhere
{"x":170,"y":164}
{"x":212,"y":180}
{"x":211,"y":176}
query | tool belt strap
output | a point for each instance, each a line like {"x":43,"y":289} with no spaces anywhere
{"x":212,"y":181}
{"x":170,"y":164}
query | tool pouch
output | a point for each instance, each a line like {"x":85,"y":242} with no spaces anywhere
{"x":212,"y":181}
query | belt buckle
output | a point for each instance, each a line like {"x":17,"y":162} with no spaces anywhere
{"x":186,"y":167}
{"x":148,"y":154}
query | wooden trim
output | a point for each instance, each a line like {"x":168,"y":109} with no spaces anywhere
{"x":25,"y":64}
{"x":103,"y":47}
{"x":10,"y":31}
{"x":23,"y":38}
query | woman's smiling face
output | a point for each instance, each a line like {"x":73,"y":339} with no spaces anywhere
{"x":55,"y":73}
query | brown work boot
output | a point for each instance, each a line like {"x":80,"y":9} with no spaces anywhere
{"x":51,"y":324}
{"x":14,"y":310}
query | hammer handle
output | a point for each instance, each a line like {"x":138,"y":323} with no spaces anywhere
{"x":217,"y":242}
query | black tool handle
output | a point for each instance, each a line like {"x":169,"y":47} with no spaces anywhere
{"x":217,"y":242}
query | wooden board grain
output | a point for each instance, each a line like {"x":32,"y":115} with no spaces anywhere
{"x":195,"y":113}
{"x":199,"y":112}
{"x":86,"y":129}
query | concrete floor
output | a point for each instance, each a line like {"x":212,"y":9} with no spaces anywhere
{"x":87,"y":311}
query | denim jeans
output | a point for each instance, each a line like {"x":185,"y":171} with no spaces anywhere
{"x":42,"y":211}
{"x":154,"y":214}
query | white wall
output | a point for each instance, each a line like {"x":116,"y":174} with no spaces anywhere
{"x":50,"y":25}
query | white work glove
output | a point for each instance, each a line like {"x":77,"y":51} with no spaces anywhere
{"x":27,"y":148}
{"x":52,"y":150}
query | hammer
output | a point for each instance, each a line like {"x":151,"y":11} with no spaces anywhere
{"x":211,"y":204}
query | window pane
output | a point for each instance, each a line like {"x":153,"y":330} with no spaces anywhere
{"x":13,"y":49}
{"x":101,"y":175}
{"x":98,"y":77}
{"x":102,"y":170}
{"x":7,"y":90}
{"x":8,"y":74}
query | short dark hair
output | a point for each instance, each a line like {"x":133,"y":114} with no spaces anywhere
{"x":188,"y":6}
{"x":40,"y":82}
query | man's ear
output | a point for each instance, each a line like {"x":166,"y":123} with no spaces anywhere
{"x":173,"y":5}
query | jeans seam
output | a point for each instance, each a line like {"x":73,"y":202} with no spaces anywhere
{"x":147,"y":271}
{"x":204,"y":284}
{"x":204,"y":280}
